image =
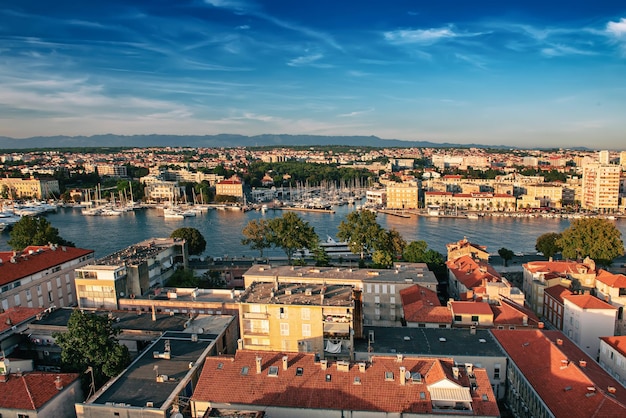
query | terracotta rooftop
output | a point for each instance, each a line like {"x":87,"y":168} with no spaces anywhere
{"x":31,"y":391}
{"x":421,"y":304}
{"x":611,"y":279}
{"x":470,"y":308}
{"x":556,"y":267}
{"x":511,"y":313}
{"x":555,"y":373}
{"x":558,"y":292}
{"x":16,"y":315}
{"x":235,"y":381}
{"x":617,"y":342}
{"x":35,"y":259}
{"x":472,"y":273}
{"x":588,"y":301}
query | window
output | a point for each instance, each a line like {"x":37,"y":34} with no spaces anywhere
{"x":49,"y":285}
{"x":306,"y":330}
{"x":284,"y":329}
{"x":299,"y":371}
{"x":22,"y":416}
{"x":496,"y":371}
{"x":39,"y":290}
{"x":50,"y":297}
{"x":244,"y":371}
{"x":474,"y":318}
{"x":29,"y":297}
{"x":283,"y":313}
{"x":58,"y":282}
{"x":273,"y":371}
{"x":18,"y":302}
{"x":384,"y":289}
{"x":389,"y":376}
{"x":305,"y":314}
{"x":457,"y":318}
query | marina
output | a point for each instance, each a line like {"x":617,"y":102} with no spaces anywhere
{"x":222,"y":229}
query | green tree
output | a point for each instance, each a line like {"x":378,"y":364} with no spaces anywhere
{"x":361,"y":231}
{"x":388,"y":247}
{"x":596,"y":238}
{"x":34,"y":231}
{"x":321,"y":257}
{"x":506,"y":255}
{"x":183,"y":278}
{"x":257,"y":235}
{"x":418,"y":252}
{"x":196,"y":243}
{"x":548,"y":244}
{"x":291,"y":233}
{"x":91,"y":341}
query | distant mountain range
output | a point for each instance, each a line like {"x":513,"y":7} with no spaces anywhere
{"x":221,"y":140}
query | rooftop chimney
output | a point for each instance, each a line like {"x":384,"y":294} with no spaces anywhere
{"x":258,"y":364}
{"x":402,"y":375}
{"x":324,"y":364}
{"x":285,"y":362}
{"x":559,"y":341}
{"x":58,"y":383}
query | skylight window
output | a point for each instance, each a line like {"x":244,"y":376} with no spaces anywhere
{"x":389,"y":376}
{"x":357,"y":380}
{"x":299,"y":371}
{"x":329,"y":377}
{"x":244,"y":371}
{"x":220,"y":366}
{"x":416,"y":377}
{"x":273,"y":371}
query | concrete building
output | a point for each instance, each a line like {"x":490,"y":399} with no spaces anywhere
{"x":554,"y":304}
{"x":546,"y":195}
{"x":540,"y":275}
{"x":290,"y":385}
{"x":159,"y":191}
{"x":465,"y":247}
{"x":13,"y":322}
{"x":469,"y":345}
{"x":111,"y":170}
{"x":17,"y":188}
{"x":292,"y":317}
{"x":549,"y":376}
{"x":376,"y":198}
{"x":40,"y":276}
{"x":380,"y":289}
{"x":131,"y":271}
{"x":422,"y":308}
{"x":402,"y":195}
{"x":600,"y":188}
{"x":613,"y":357}
{"x":611,"y":288}
{"x":472,"y":201}
{"x":230,"y":187}
{"x":159,"y":383}
{"x":30,"y":394}
{"x":586,"y":319}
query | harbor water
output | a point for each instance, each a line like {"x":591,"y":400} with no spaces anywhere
{"x":222,"y":229}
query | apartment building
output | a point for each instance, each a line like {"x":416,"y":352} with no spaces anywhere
{"x":230,"y":187}
{"x":17,"y":188}
{"x":292,"y":317}
{"x":611,"y":288}
{"x":549,"y":376}
{"x":600,"y":187}
{"x":613,"y":357}
{"x":402,"y":195}
{"x":131,"y":271}
{"x":288,"y":385}
{"x":40,"y":276}
{"x":380,"y":289}
{"x":587,"y":318}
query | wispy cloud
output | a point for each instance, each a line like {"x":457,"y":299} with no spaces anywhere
{"x":557,"y":50}
{"x":308,"y":61}
{"x":355,"y":113}
{"x":473,"y":60}
{"x":426,"y":36}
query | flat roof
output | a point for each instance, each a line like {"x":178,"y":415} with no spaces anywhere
{"x":138,"y":384}
{"x":427,"y":341}
{"x":400,"y":273}
{"x":138,"y":253}
{"x":298,"y":294}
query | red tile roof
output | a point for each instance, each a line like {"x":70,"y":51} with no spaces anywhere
{"x":222,"y":381}
{"x":472,"y":273}
{"x":421,"y":304}
{"x":557,"y":267}
{"x":588,"y":302}
{"x":35,"y":259}
{"x":612,"y":280}
{"x":15,"y":315}
{"x":510,"y":313}
{"x":558,"y":292}
{"x":31,"y":390}
{"x":555,"y":374}
{"x":617,"y":342}
{"x":470,"y":308}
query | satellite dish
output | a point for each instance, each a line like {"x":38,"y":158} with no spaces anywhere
{"x":200,"y":331}
{"x":407,"y":375}
{"x":122,"y":294}
{"x":178,"y":415}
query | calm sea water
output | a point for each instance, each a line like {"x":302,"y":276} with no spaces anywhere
{"x":222,"y":229}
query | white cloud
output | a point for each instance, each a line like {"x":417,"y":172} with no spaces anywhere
{"x":558,"y":50}
{"x":617,"y":29}
{"x":425,"y":36}
{"x":355,"y":113}
{"x":308,"y":60}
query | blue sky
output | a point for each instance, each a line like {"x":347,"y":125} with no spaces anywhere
{"x":525,"y":73}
